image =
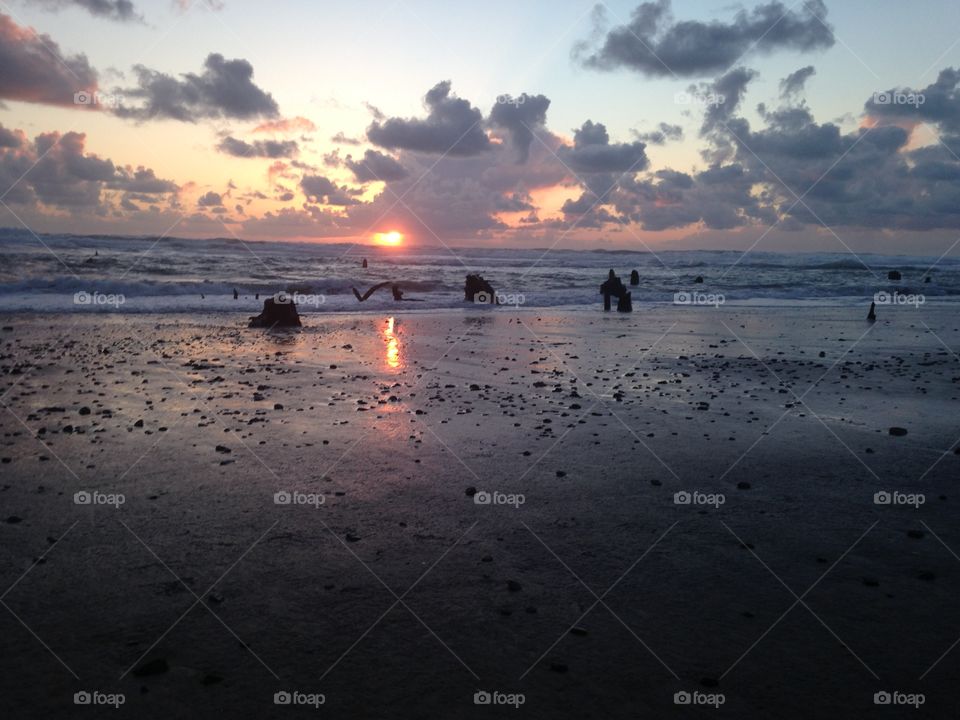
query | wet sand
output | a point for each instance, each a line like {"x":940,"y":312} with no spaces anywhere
{"x":385,"y":585}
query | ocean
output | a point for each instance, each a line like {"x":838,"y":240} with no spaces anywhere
{"x":67,"y":273}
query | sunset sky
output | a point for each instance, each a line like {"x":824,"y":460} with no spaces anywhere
{"x":821,"y":125}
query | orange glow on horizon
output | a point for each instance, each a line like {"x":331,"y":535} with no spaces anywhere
{"x":392,"y":238}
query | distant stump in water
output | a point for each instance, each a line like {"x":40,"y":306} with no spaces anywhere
{"x":894,"y":275}
{"x":476,"y":289}
{"x":276,"y":314}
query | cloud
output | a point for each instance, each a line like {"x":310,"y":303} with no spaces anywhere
{"x":663,"y":134}
{"x":794,"y":83}
{"x":286,"y":126}
{"x":11,"y":138}
{"x":726,"y":94}
{"x":142,"y":181}
{"x":342,"y":139}
{"x":938,"y":103}
{"x":258,"y":148}
{"x":33,"y":68}
{"x":520,"y":117}
{"x":376,"y":166}
{"x":320,"y":189}
{"x":592,"y":152}
{"x":55,"y":171}
{"x":653,"y":44}
{"x":797,"y":173}
{"x":452,"y":127}
{"x":122,"y":10}
{"x":210,"y":200}
{"x":225,"y":90}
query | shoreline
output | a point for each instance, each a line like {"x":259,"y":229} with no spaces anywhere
{"x":224,"y":304}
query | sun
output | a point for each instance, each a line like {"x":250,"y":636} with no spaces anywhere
{"x":388,"y":238}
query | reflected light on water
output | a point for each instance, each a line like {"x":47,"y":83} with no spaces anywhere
{"x":393,"y":343}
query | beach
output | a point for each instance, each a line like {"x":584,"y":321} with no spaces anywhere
{"x":585,"y":513}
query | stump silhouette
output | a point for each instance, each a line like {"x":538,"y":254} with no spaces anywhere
{"x":277,"y":314}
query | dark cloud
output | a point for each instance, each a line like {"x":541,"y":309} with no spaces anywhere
{"x":258,"y":148}
{"x":452,"y":127}
{"x":55,"y":170}
{"x":938,"y":103}
{"x":332,"y":159}
{"x":122,"y":10}
{"x":520,"y":117}
{"x":802,"y":173}
{"x":10,"y":138}
{"x":592,"y":152}
{"x":723,"y":97}
{"x":142,"y":181}
{"x":344,"y":140}
{"x":792,"y":172}
{"x":320,"y":189}
{"x":34,"y":69}
{"x":653,"y":44}
{"x":514,"y":202}
{"x":210,"y":200}
{"x":225,"y":89}
{"x":719,"y":198}
{"x":663,"y":134}
{"x":794,"y":83}
{"x":376,"y":166}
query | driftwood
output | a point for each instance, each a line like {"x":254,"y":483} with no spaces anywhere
{"x":394,"y":288}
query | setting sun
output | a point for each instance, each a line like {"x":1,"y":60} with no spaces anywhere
{"x":388,"y":238}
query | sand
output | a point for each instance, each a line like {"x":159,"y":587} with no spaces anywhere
{"x":387,"y":588}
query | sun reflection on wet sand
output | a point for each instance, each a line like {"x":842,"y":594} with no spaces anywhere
{"x":393,"y":343}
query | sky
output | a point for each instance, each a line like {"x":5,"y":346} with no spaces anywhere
{"x":816,"y":125}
